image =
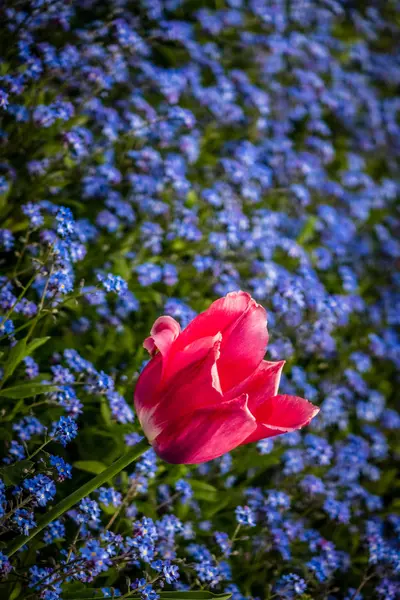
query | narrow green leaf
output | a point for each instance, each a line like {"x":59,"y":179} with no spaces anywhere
{"x":90,"y":466}
{"x":18,"y":406}
{"x":82,"y":595}
{"x":308,"y":230}
{"x":18,"y":353}
{"x":190,"y":595}
{"x":36,"y":344}
{"x":27,"y":390}
{"x":87,"y":488}
{"x":194,"y":595}
{"x":204,"y":491}
{"x":105,"y":412}
{"x":16,"y":591}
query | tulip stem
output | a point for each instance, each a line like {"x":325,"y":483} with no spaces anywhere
{"x":68,"y":502}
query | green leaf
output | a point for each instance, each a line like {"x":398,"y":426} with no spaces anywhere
{"x":105,"y":412}
{"x":84,"y":490}
{"x":385,"y":482}
{"x":192,"y":198}
{"x":18,"y":406}
{"x":395,"y":506}
{"x":27,"y":390}
{"x":213,"y":508}
{"x":83,"y":594}
{"x":204,"y":491}
{"x":194,"y":595}
{"x":3,"y":201}
{"x":90,"y":466}
{"x":307,"y":233}
{"x":191,"y":595}
{"x":18,"y":353}
{"x":36,"y":344}
{"x":16,"y":591}
{"x":12,"y":474}
{"x":91,"y":595}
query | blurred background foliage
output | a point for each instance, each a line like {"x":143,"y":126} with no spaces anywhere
{"x":157,"y":154}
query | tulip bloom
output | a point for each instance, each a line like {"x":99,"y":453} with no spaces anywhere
{"x":207,"y":389}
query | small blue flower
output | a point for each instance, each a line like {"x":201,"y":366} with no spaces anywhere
{"x":185,"y":490}
{"x":3,"y":99}
{"x":149,"y":273}
{"x":41,"y":487}
{"x":88,"y":511}
{"x":4,"y":187}
{"x":31,"y":367}
{"x":170,"y":274}
{"x":62,"y":375}
{"x":65,"y":430}
{"x":245,"y":516}
{"x":6,"y":239}
{"x":28,"y":427}
{"x":111,"y":592}
{"x":5,"y":565}
{"x":312,"y":485}
{"x":179,"y":310}
{"x":16,"y":452}
{"x":148,"y":593}
{"x":24,"y":520}
{"x":64,"y":470}
{"x":337,"y":510}
{"x":54,"y":531}
{"x":223,"y":542}
{"x":65,"y":222}
{"x":170,"y":572}
{"x":318,"y":450}
{"x":131,"y":439}
{"x":294,"y":461}
{"x":120,"y":409}
{"x":113,"y":283}
{"x":32,"y":211}
{"x":104,"y":382}
{"x":61,"y":282}
{"x":291,"y":585}
{"x":96,"y":555}
{"x":6,"y":327}
{"x":265,"y":446}
{"x":109,"y":496}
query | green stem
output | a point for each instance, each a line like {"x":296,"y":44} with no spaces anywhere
{"x":130,"y":494}
{"x":235,"y":534}
{"x":22,"y":294}
{"x":40,"y":448}
{"x":21,"y":254}
{"x":40,"y":307}
{"x":16,"y":507}
{"x":68,"y":502}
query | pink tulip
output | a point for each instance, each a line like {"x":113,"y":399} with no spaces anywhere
{"x":207,"y":389}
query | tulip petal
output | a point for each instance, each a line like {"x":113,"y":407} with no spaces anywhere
{"x":260,"y":385}
{"x":206,"y":434}
{"x":243,"y":325}
{"x":195,"y":385}
{"x":194,"y":352}
{"x":281,"y":414}
{"x":164,"y":331}
{"x":220,"y":315}
{"x":145,"y":398}
{"x":243,"y":346}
